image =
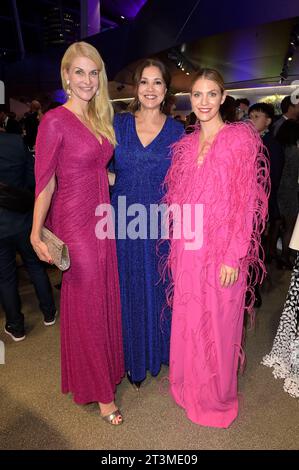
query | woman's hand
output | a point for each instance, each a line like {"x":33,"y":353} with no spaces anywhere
{"x":111,"y":178}
{"x":228,"y":275}
{"x":41,"y":249}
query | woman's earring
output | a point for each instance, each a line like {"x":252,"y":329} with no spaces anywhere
{"x":68,"y":90}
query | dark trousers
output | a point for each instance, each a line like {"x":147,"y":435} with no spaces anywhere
{"x":9,"y":294}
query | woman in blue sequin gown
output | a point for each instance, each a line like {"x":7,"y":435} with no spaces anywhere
{"x":142,"y":158}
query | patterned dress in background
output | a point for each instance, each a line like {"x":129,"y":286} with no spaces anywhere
{"x":284,"y":355}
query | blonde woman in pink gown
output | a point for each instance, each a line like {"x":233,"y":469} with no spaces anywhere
{"x":221,"y":167}
{"x":74,"y":145}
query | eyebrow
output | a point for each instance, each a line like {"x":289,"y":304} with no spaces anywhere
{"x":146,"y":78}
{"x":209,"y":91}
{"x":93,"y":70}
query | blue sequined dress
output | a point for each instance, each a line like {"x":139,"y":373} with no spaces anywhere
{"x":140,"y":172}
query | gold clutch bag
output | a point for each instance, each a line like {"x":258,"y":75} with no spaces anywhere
{"x":57,"y":248}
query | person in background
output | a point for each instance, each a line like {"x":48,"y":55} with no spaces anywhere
{"x":191,"y":122}
{"x":169,"y":108}
{"x":17,"y":175}
{"x":120,"y":106}
{"x":228,"y":109}
{"x":242,"y":107}
{"x":262,"y":115}
{"x":31,"y":122}
{"x":142,"y":157}
{"x":8,"y":122}
{"x":289,"y":111}
{"x":284,"y":354}
{"x":288,"y":192}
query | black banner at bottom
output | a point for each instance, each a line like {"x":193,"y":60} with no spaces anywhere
{"x":138,"y":459}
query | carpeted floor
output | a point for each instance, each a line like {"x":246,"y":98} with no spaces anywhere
{"x":35,"y":415}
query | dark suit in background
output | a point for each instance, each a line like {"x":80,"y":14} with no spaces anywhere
{"x":31,"y":124}
{"x":13,"y":127}
{"x":277,"y":158}
{"x":276,"y":155}
{"x":17,"y":170}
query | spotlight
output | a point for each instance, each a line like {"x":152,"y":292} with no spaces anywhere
{"x":183,"y":48}
{"x":179,"y":58}
{"x":295,"y":35}
{"x":294,"y":42}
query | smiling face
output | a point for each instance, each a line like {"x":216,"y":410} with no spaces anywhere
{"x":151,"y":88}
{"x":83,"y":75}
{"x":260,"y":120}
{"x":206,"y":98}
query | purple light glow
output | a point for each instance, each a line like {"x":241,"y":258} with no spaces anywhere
{"x":127,"y":8}
{"x":132,"y":8}
{"x":59,"y":96}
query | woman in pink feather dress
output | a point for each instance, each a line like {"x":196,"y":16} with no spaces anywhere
{"x":219,"y":167}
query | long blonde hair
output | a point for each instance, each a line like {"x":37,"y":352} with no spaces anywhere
{"x":100,"y":110}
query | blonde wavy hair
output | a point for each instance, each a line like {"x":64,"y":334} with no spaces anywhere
{"x":100,"y":110}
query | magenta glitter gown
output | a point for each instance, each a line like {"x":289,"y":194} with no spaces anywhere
{"x":232,"y":183}
{"x":91,"y":340}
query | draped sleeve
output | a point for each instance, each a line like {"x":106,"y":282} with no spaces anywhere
{"x":248,"y":188}
{"x":48,"y":146}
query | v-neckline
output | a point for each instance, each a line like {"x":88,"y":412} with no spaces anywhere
{"x":85,"y":127}
{"x":210,"y":148}
{"x":154,"y":139}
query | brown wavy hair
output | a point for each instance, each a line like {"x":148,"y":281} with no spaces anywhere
{"x":137,"y":77}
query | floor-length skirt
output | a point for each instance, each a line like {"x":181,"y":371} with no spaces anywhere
{"x":205,"y":348}
{"x":91,"y":341}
